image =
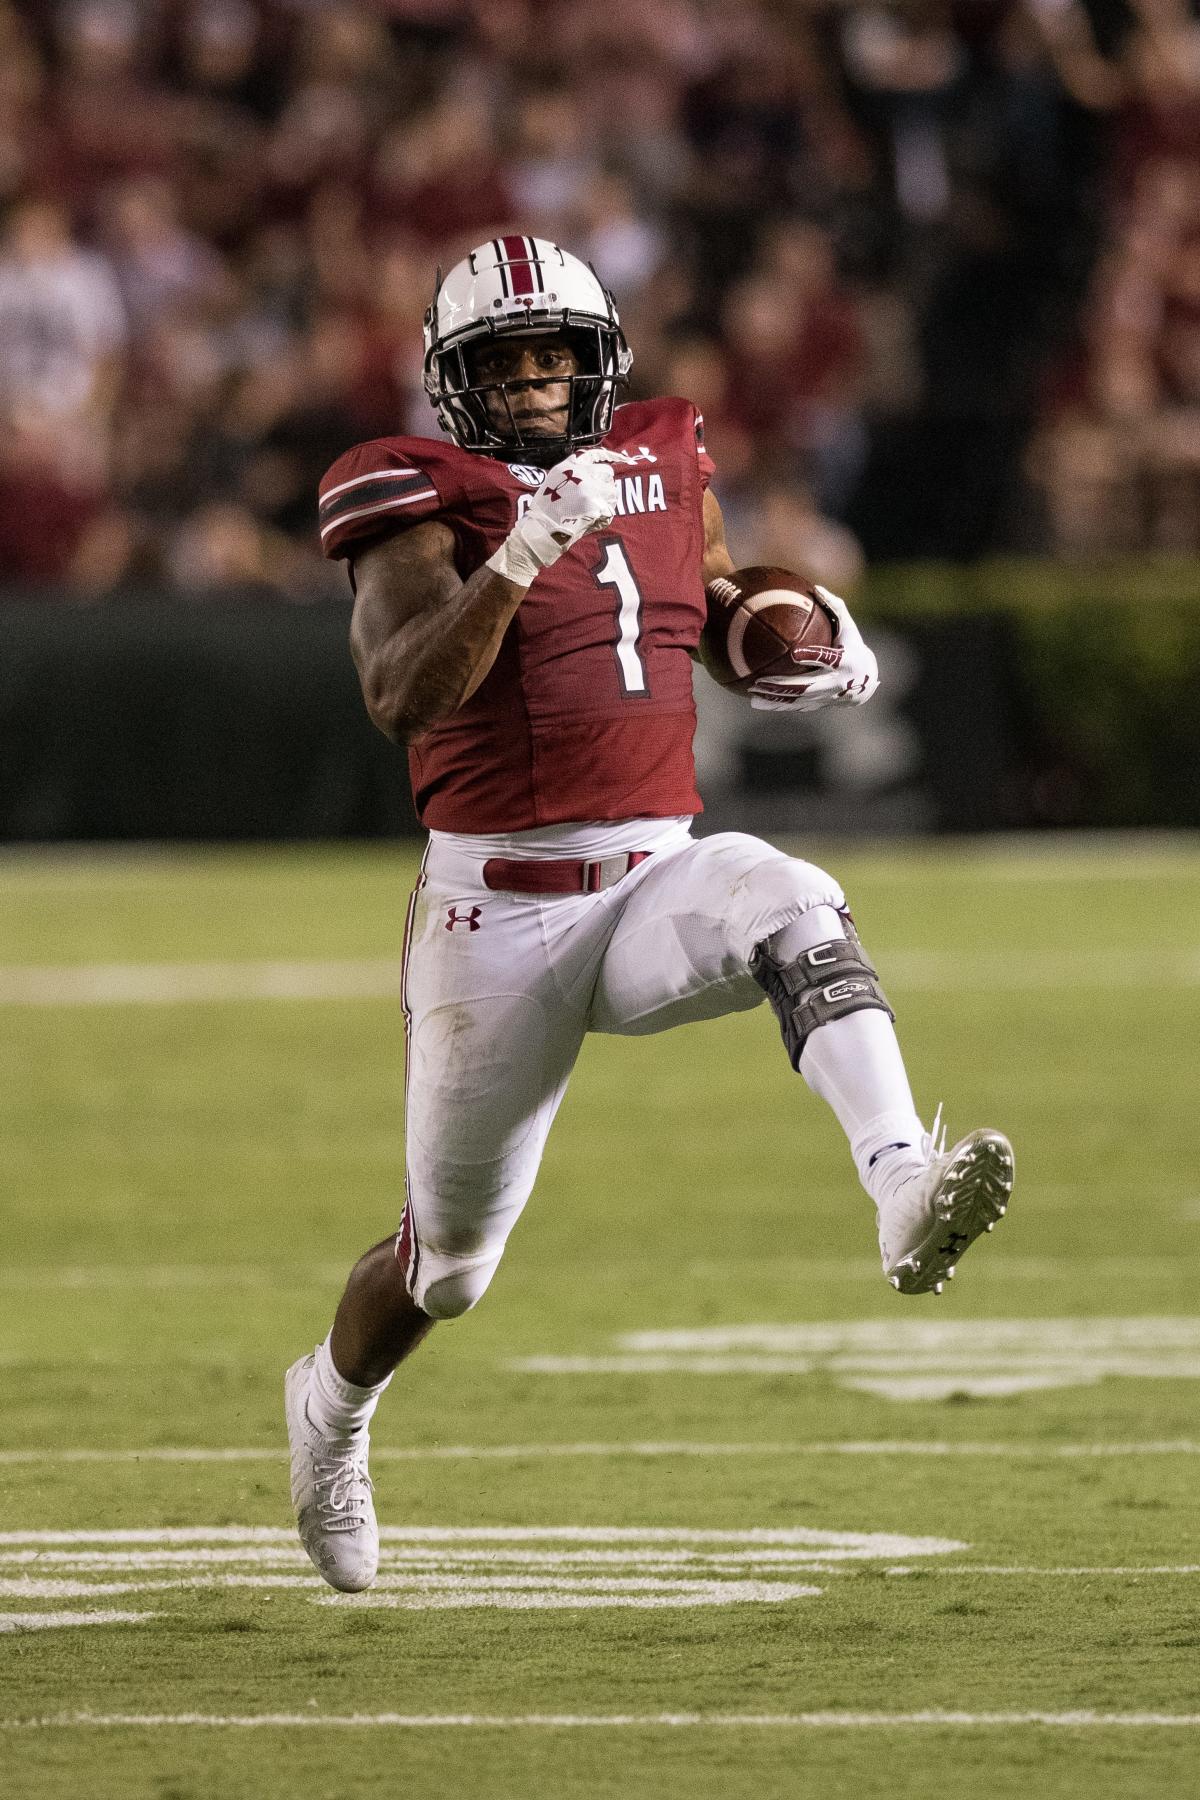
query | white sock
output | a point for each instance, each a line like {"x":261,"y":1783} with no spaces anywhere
{"x":854,"y":1064}
{"x":335,"y":1406}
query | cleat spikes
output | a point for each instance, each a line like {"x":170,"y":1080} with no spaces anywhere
{"x":935,"y":1216}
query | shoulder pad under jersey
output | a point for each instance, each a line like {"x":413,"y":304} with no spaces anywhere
{"x":661,"y":421}
{"x":387,"y":485}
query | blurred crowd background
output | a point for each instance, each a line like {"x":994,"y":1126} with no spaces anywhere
{"x":931,"y":269}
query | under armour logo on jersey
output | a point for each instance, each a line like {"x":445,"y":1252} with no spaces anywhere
{"x":470,"y":918}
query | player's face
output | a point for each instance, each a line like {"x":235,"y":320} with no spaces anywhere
{"x":535,"y":372}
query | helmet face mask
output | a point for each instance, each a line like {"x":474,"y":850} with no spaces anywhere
{"x":518,"y":287}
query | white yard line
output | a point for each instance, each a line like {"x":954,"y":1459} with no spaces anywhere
{"x":32,"y":1587}
{"x":159,"y":1455}
{"x":1113,"y":1571}
{"x":511,"y":1599}
{"x":167,"y":984}
{"x":163,"y":1534}
{"x":929,"y":1385}
{"x":198,"y":1556}
{"x":378,"y":978}
{"x":29,"y":1587}
{"x":912,"y":1388}
{"x":423,"y":1568}
{"x":1088,"y":1334}
{"x":419,"y":1581}
{"x":910,"y":1359}
{"x":524,"y":1578}
{"x":1080,"y":1720}
{"x":559,"y":1561}
{"x":874,"y":1543}
{"x":404,"y":1563}
{"x":381,"y":1453}
{"x":221,"y":1276}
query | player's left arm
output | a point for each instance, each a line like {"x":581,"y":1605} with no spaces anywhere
{"x":851,"y":683}
{"x":717,"y":560}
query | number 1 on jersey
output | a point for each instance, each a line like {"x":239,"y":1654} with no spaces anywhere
{"x":615,"y":572}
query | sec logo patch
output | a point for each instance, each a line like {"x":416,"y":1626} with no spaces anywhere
{"x":524,"y":472}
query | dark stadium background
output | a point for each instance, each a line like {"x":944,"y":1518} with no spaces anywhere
{"x":931,"y":270}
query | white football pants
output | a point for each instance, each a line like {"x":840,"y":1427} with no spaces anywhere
{"x":499,"y":990}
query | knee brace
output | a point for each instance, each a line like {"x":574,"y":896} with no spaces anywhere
{"x":828,"y":982}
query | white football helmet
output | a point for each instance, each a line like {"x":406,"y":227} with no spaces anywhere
{"x":521,"y":285}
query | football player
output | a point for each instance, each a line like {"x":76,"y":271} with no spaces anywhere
{"x":529,"y":592}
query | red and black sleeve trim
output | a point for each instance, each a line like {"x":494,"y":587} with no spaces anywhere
{"x":382,"y":491}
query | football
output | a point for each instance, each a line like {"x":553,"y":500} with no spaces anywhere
{"x":765,"y":621}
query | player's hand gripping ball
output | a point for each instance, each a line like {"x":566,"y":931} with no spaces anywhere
{"x":785,"y":643}
{"x":764,"y":621}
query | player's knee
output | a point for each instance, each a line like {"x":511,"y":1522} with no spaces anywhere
{"x":807,"y":887}
{"x":766,"y":890}
{"x":446,"y":1287}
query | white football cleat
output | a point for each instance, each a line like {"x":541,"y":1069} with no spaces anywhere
{"x":331,"y":1492}
{"x":939,"y":1212}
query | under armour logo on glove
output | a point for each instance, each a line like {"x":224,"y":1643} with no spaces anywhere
{"x":577,"y":496}
{"x":469,"y":919}
{"x":556,"y":492}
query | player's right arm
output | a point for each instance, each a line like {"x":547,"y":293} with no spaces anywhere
{"x":423,"y":639}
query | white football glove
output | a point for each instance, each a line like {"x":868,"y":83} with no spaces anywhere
{"x":851,"y":683}
{"x":576,"y":496}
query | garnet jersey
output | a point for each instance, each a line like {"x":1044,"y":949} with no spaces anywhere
{"x":587,"y":712}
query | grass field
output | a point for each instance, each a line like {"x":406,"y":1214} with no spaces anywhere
{"x":693,"y":1505}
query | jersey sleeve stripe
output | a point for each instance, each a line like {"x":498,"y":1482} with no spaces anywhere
{"x":383,"y":490}
{"x":380,"y":506}
{"x":376,"y":475}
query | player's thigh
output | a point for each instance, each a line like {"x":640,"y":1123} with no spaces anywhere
{"x":682,"y":946}
{"x":491,"y":1043}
